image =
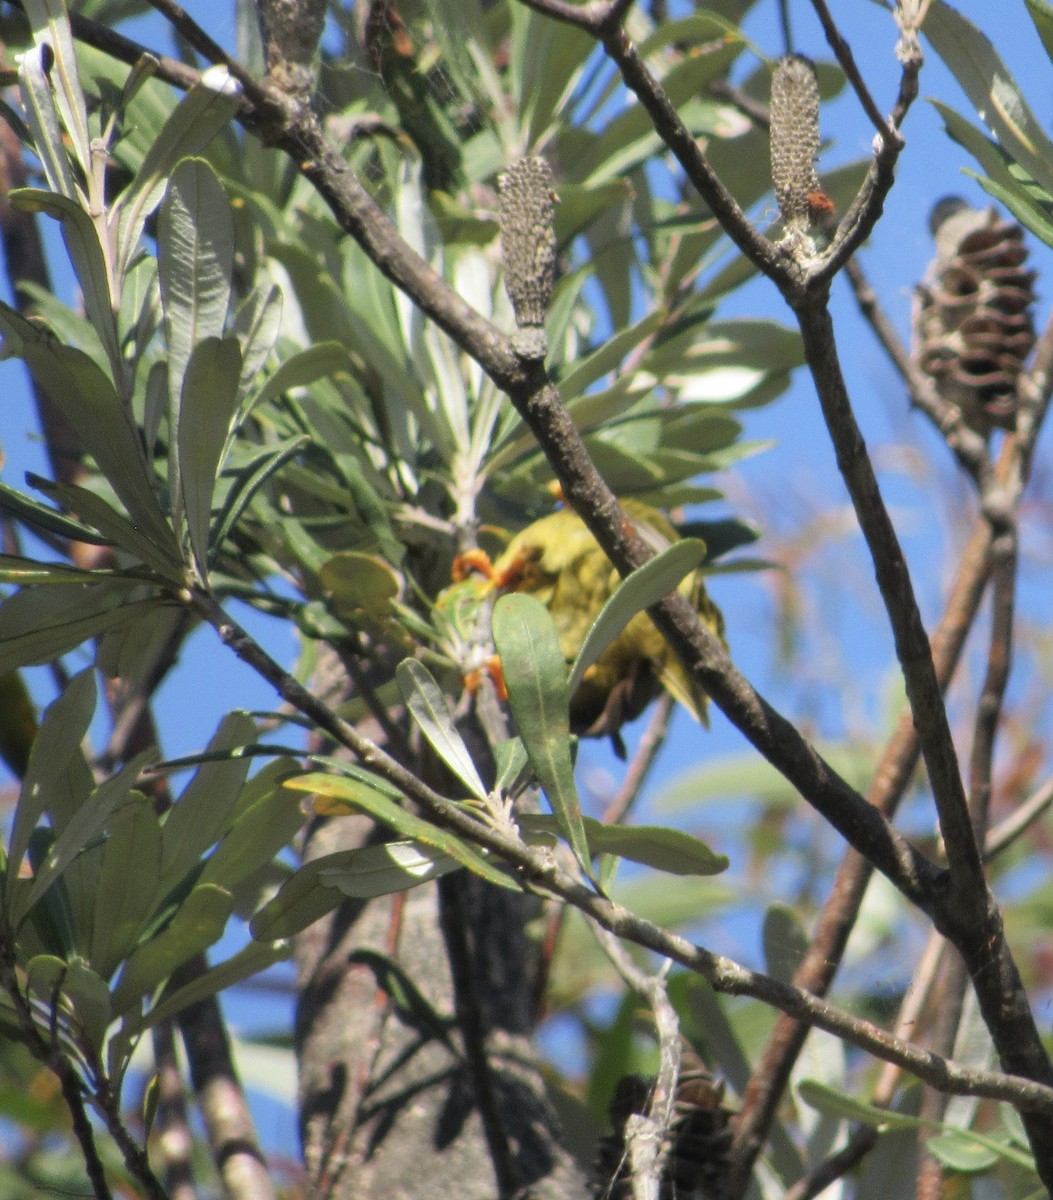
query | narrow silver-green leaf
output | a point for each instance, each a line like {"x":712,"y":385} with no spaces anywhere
{"x":989,"y":85}
{"x":127,"y":885}
{"x":260,"y":831}
{"x":89,"y":262}
{"x":301,"y":900}
{"x":50,"y":23}
{"x":120,"y":532}
{"x":318,"y":361}
{"x":192,"y":124}
{"x":669,"y":850}
{"x":257,"y":324}
{"x":429,"y":709}
{"x":255,"y":957}
{"x":249,"y":481}
{"x":837,"y":1104}
{"x":87,"y":823}
{"x":365,"y":798}
{"x":1041,"y":13}
{"x":198,"y":923}
{"x":201,"y":815}
{"x":785,"y":942}
{"x":61,"y":628}
{"x":42,"y":118}
{"x":645,"y":586}
{"x":42,"y":516}
{"x":536,"y":677}
{"x":87,"y":399}
{"x":206,"y":414}
{"x":53,"y":761}
{"x":390,"y":867}
{"x":195,"y":266}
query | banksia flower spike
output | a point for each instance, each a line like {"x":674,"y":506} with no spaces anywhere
{"x":528,"y":249}
{"x":795,"y":145}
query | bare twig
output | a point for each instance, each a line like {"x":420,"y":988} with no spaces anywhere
{"x":999,"y":656}
{"x":647,"y":1141}
{"x":967,"y":445}
{"x":843,"y":53}
{"x":639,"y":768}
{"x":1006,"y":832}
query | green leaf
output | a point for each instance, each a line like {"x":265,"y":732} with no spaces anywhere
{"x":319,"y":361}
{"x":960,"y":1152}
{"x":383,"y":869}
{"x":536,"y":677}
{"x":266,"y":820}
{"x":255,"y":957}
{"x":998,"y":100}
{"x":51,"y":916}
{"x":647,"y":585}
{"x":56,"y":765}
{"x":50,"y":23}
{"x":429,"y":709}
{"x":836,"y":1104}
{"x":359,"y":586}
{"x":42,"y":516}
{"x":200,"y":115}
{"x":301,"y":900}
{"x":207,"y":406}
{"x":195,"y":266}
{"x":59,"y":632}
{"x":203,"y":812}
{"x":1019,"y":204}
{"x":257,"y":324}
{"x":249,"y":480}
{"x":128,"y":879}
{"x":86,"y":397}
{"x":43,"y":123}
{"x":89,"y":262}
{"x":669,"y":850}
{"x":197,"y":924}
{"x":785,"y":942}
{"x":82,"y":990}
{"x":118,"y":531}
{"x":88,"y":822}
{"x":367,"y":798}
{"x":1041,"y":13}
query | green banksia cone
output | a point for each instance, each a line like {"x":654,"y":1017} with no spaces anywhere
{"x":795,"y":140}
{"x":528,"y":244}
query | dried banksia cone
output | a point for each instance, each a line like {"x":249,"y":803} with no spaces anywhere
{"x":795,"y":143}
{"x":528,"y":248}
{"x":972,"y":313}
{"x":699,"y":1139}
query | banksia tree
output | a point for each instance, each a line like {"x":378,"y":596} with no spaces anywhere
{"x":972,"y":316}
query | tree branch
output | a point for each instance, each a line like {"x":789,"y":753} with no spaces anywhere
{"x":540,"y":872}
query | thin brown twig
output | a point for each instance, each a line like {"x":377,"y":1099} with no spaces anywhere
{"x":843,"y":53}
{"x":968,"y":446}
{"x":1007,"y":831}
{"x":182,"y":22}
{"x":650,"y":744}
{"x":996,"y":679}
